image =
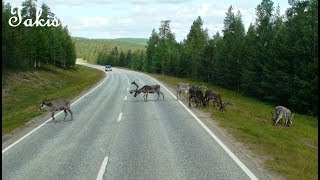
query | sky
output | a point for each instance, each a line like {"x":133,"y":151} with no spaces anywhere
{"x":108,"y":19}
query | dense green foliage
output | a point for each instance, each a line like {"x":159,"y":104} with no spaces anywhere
{"x":276,"y":60}
{"x":30,"y":46}
{"x":141,"y":41}
{"x":98,"y":50}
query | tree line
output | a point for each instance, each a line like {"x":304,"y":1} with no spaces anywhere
{"x":30,"y":46}
{"x":99,"y":50}
{"x":275,"y":60}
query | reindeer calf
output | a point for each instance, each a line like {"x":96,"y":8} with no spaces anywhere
{"x":56,"y":106}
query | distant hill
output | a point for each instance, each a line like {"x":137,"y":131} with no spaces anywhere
{"x":89,"y":49}
{"x":142,"y":41}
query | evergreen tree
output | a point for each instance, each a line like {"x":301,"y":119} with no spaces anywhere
{"x":195,"y":45}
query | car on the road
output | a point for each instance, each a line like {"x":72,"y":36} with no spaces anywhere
{"x":108,"y":68}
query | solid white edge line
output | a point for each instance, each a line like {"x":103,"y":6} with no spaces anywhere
{"x":23,"y":137}
{"x":119,"y":118}
{"x":224,"y":147}
{"x":102,"y":168}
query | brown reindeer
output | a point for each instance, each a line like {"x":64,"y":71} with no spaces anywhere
{"x":216,"y":98}
{"x":58,"y":105}
{"x":146,"y":89}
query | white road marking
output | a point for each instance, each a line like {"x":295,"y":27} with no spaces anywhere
{"x":13,"y":144}
{"x":119,"y":118}
{"x":102,"y":168}
{"x":125,"y":98}
{"x":224,"y":147}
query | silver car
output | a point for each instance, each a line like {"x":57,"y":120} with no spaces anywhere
{"x":108,"y":68}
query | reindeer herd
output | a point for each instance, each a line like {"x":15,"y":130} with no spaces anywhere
{"x":202,"y":100}
{"x":194,"y":93}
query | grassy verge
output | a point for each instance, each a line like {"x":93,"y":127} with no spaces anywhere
{"x":22,"y":91}
{"x":291,"y":151}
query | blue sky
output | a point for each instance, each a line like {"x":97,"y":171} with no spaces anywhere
{"x":137,"y":18}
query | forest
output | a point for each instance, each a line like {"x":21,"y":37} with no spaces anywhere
{"x":275,"y":60}
{"x":25,"y":47}
{"x":99,"y":50}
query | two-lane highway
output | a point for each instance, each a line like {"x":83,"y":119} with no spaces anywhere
{"x":117,"y":136}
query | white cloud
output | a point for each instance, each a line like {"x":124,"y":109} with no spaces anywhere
{"x":137,"y":18}
{"x":93,"y":22}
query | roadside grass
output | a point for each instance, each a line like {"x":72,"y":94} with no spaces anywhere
{"x":23,"y":90}
{"x":290,"y":151}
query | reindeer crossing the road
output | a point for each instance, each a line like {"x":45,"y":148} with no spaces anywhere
{"x":146,"y":89}
{"x":58,"y":105}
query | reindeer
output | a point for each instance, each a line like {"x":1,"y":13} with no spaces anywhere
{"x":216,"y":98}
{"x":196,"y":93}
{"x":182,"y":87}
{"x":280,"y":112}
{"x":58,"y":105}
{"x":146,"y":89}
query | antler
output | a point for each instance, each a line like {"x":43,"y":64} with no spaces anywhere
{"x":204,"y":87}
{"x":135,"y":84}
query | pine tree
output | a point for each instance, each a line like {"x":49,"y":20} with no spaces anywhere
{"x":195,"y":45}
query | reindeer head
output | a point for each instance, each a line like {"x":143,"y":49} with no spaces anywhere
{"x":290,"y":120}
{"x":273,"y":117}
{"x":42,"y":104}
{"x":136,"y":92}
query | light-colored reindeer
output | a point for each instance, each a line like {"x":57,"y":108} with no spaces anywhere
{"x":282,"y":112}
{"x":58,"y":105}
{"x":182,"y":87}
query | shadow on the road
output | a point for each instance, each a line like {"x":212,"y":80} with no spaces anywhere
{"x":60,"y":121}
{"x":144,"y":101}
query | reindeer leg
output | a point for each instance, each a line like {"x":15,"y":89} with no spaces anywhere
{"x":277,"y":120}
{"x":71,"y":114}
{"x":65,"y":114}
{"x":52,"y":115}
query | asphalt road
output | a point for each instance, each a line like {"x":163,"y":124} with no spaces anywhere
{"x":117,"y":136}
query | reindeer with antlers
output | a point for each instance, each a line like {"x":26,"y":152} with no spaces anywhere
{"x":146,"y":89}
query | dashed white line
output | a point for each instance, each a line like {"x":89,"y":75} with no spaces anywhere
{"x":119,"y":118}
{"x":102,"y":168}
{"x":125,"y":98}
